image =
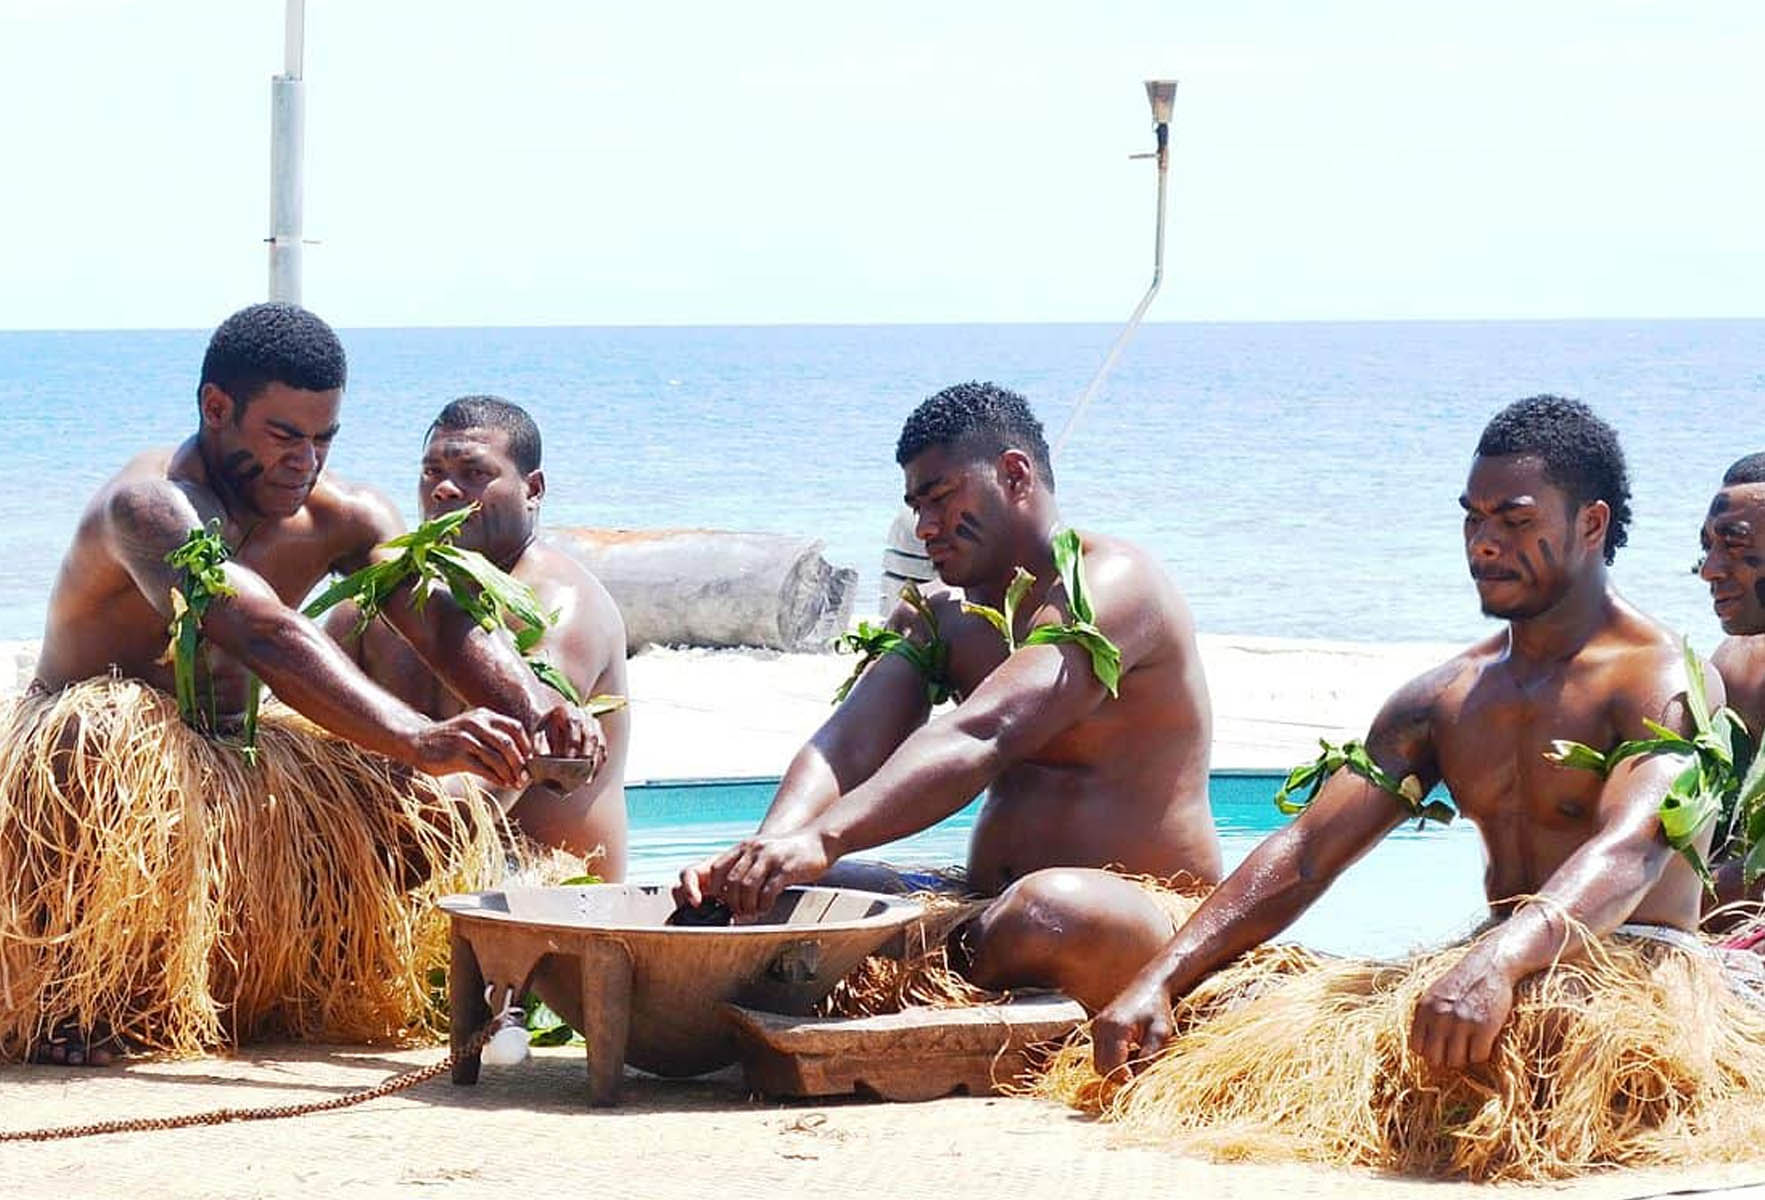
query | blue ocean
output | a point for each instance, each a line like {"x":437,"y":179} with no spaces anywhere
{"x":1298,"y":480}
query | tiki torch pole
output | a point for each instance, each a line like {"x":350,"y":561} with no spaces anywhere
{"x":1161,"y":94}
{"x":904,"y":556}
{"x":287,"y":138}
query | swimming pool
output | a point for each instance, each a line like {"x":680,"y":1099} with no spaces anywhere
{"x":1418,"y":887}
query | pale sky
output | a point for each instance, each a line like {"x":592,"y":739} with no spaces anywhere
{"x":528,"y":162}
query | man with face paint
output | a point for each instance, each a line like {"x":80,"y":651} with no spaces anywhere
{"x":1546,"y":506}
{"x":486,"y":451}
{"x":1733,"y":564}
{"x":268,"y":404}
{"x":1075,"y":780}
{"x":168,"y":863}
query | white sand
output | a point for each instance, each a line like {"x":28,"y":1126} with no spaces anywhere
{"x":724,"y":713}
{"x":525,"y":1131}
{"x":699,"y":714}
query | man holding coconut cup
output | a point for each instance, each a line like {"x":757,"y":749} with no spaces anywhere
{"x":485,"y":452}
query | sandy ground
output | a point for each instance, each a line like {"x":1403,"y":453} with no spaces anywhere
{"x":525,"y":1130}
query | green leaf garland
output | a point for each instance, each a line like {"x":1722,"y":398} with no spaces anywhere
{"x":1080,"y":630}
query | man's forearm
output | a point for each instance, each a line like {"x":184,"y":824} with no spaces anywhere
{"x":312,"y":675}
{"x":936,"y":771}
{"x":1270,"y":890}
{"x":1591,"y":894}
{"x":479,"y":666}
{"x":809,"y":788}
{"x":848,"y":749}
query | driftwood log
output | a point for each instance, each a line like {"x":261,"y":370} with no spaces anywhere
{"x":704,"y":587}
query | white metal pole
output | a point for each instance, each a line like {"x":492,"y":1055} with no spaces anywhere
{"x":904,"y":554}
{"x":287,"y":148}
{"x":294,"y":38}
{"x":1161,"y":93}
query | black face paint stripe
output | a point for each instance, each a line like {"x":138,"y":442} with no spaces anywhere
{"x":1549,"y":555}
{"x":1759,"y":589}
{"x":241,"y":466}
{"x":1526,"y":562}
{"x":968,"y":527}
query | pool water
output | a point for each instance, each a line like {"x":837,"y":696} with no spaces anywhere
{"x":1417,"y":888}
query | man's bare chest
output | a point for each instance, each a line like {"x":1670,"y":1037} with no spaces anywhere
{"x":1492,"y":749}
{"x":293,"y":565}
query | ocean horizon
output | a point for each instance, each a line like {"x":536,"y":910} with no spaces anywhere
{"x":1298,"y":479}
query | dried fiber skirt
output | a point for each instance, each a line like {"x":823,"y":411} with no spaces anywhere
{"x":156,"y":888}
{"x":1641,"y":1053}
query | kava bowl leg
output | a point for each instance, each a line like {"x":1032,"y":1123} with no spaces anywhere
{"x":466,"y":1010}
{"x":606,"y":1017}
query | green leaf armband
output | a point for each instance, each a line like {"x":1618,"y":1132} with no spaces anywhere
{"x":1106,"y":658}
{"x":930,"y":658}
{"x":1353,"y":756}
{"x":201,"y":579}
{"x":1716,"y":786}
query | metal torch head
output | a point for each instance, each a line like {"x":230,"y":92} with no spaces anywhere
{"x":1161,"y":94}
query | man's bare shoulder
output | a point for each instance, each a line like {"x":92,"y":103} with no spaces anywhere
{"x":1741,"y":660}
{"x":1124,"y":575}
{"x":1741,"y":663}
{"x":1635,"y":631}
{"x":146,"y":475}
{"x":348,"y":520}
{"x":944,"y":604}
{"x":1135,"y":597}
{"x":151,"y":497}
{"x":546,"y":566}
{"x":342,"y":506}
{"x":149,"y":464}
{"x":1636,"y":654}
{"x":1638,"y":666}
{"x":1422,"y":697}
{"x":1117,"y":556}
{"x":583,"y":604}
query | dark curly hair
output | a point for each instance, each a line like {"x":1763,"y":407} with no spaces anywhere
{"x":272,"y":343}
{"x":1750,"y":469}
{"x":1580,"y":452}
{"x":493,"y":412}
{"x":984,"y":417}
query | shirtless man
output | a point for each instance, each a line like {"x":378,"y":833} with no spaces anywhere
{"x":1074,"y":778}
{"x":1733,"y":564}
{"x":484,"y":450}
{"x":268,"y":402}
{"x":1546,"y":506}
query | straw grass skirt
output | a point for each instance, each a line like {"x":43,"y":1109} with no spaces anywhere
{"x":920,"y":974}
{"x":156,"y":888}
{"x":1638,"y":1054}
